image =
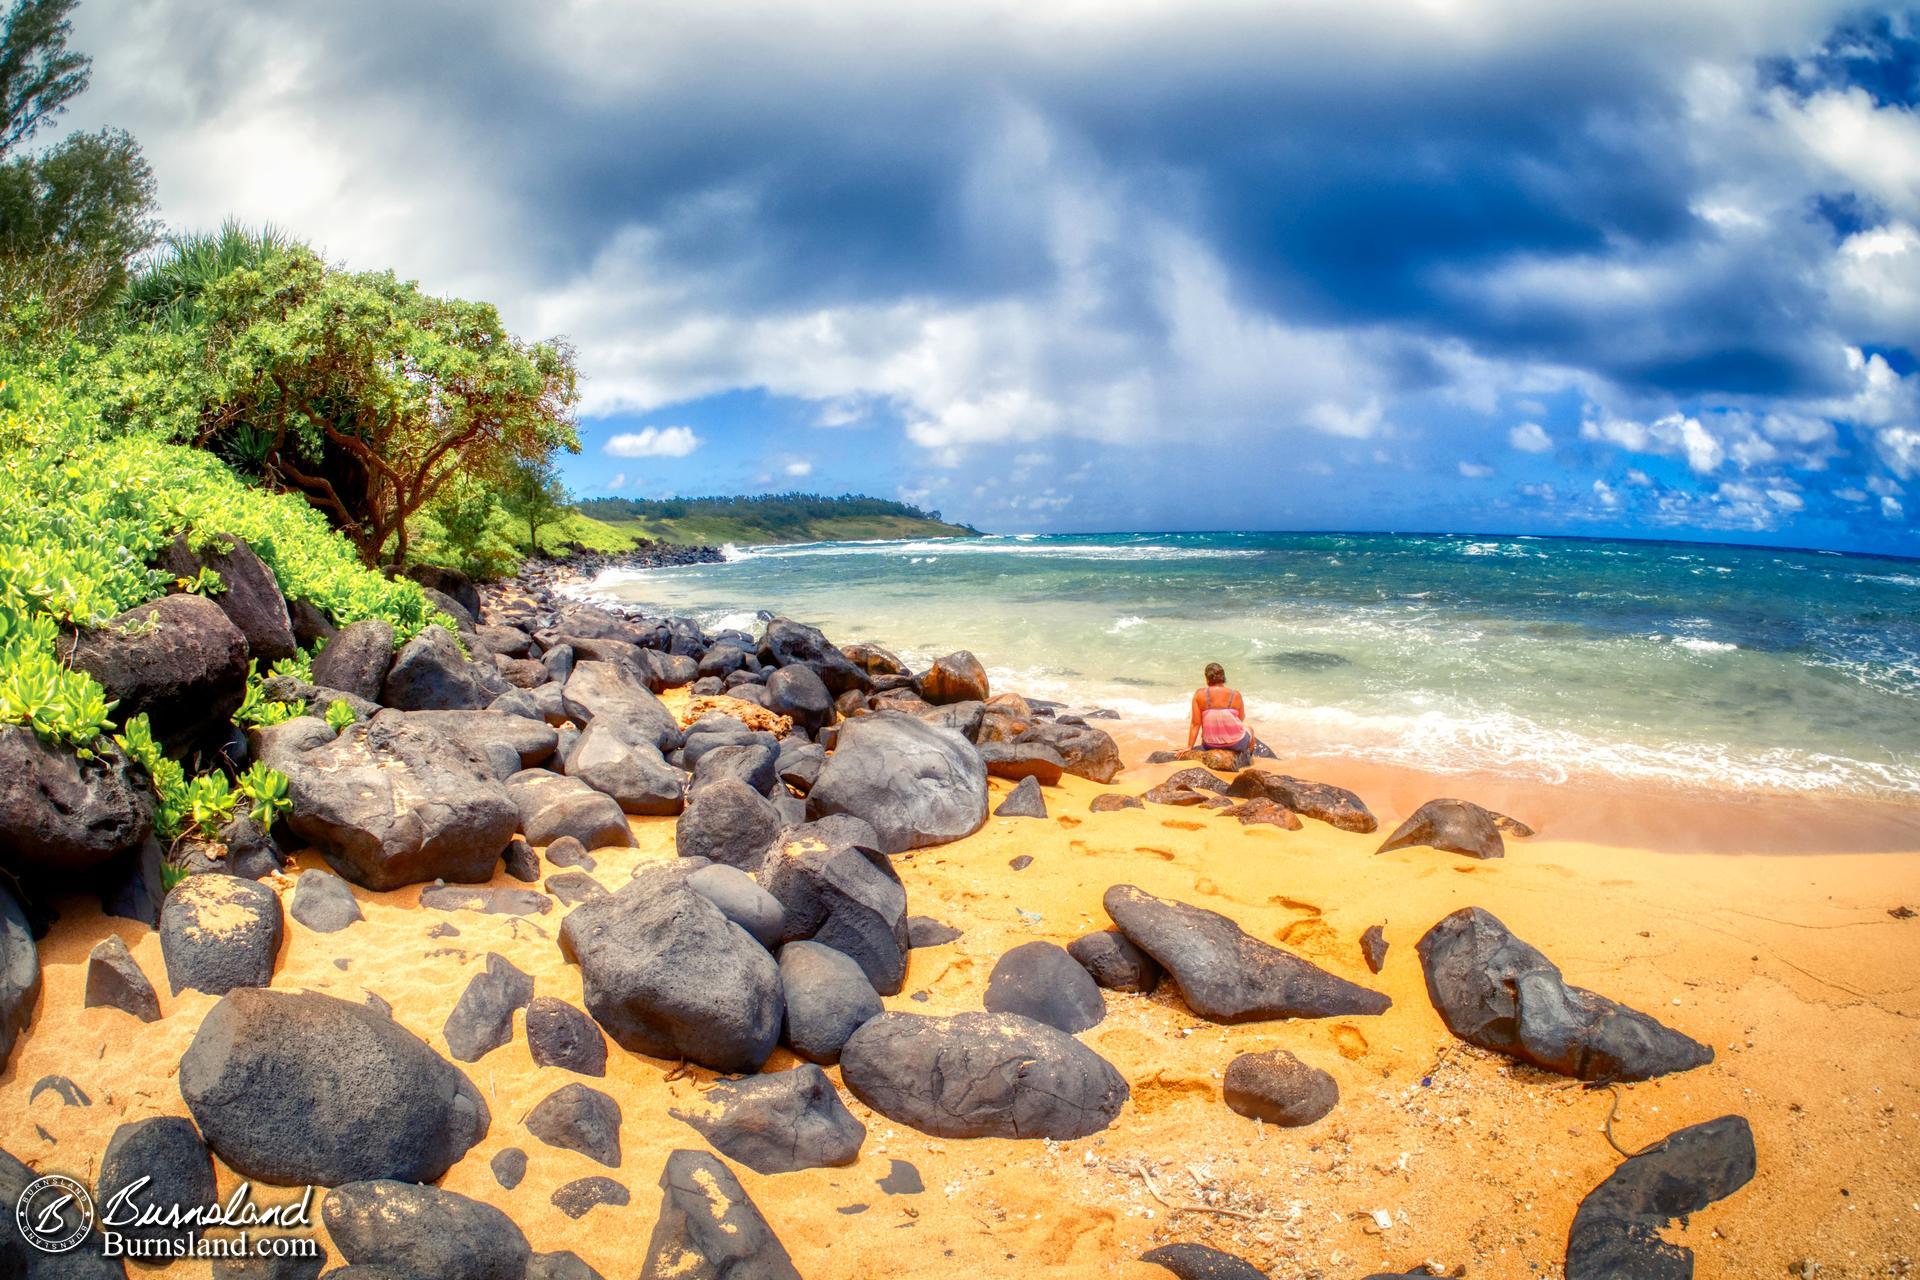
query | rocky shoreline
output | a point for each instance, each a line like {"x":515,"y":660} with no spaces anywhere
{"x":799,"y":776}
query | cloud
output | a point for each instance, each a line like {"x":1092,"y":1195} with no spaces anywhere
{"x":1475,"y":471}
{"x":619,"y":481}
{"x":800,"y":467}
{"x":1292,"y":234}
{"x":653,"y":442}
{"x":1530,"y":437}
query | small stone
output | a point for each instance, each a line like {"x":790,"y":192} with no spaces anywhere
{"x":1280,"y":1089}
{"x":323,"y":902}
{"x":1112,"y":801}
{"x":509,"y":1167}
{"x":1373,"y":947}
{"x":115,"y":981}
{"x":577,"y":1118}
{"x":559,"y":1035}
{"x":583,"y":1195}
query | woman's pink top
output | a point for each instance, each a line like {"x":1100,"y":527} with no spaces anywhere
{"x":1220,"y":714}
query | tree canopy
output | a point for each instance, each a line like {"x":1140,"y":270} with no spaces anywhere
{"x":357,"y":389}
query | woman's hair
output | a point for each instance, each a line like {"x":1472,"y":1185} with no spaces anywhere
{"x":1216,"y":674}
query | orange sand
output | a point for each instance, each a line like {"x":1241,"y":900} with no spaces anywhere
{"x":1788,"y":965}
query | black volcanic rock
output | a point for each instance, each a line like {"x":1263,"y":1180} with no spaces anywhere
{"x":303,"y":1088}
{"x":1456,"y":826}
{"x":708,"y":1227}
{"x":1616,"y":1230}
{"x":1225,"y":975}
{"x":977,"y":1075}
{"x":1115,"y":963}
{"x":1494,"y":990}
{"x":1040,"y":980}
{"x":1322,"y":801}
{"x":778,"y":1122}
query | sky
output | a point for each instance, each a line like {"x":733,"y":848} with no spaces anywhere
{"x":1640,"y":269}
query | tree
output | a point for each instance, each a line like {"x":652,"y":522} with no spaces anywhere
{"x":38,"y":73}
{"x":533,"y":492}
{"x":71,"y":218}
{"x":356,"y":389}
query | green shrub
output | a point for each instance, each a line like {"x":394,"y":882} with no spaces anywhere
{"x":83,"y":517}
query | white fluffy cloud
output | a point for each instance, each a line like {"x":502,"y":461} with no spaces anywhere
{"x":653,"y":442}
{"x":1530,"y":437}
{"x":1475,"y":470}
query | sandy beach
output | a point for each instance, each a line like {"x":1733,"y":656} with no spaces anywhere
{"x":1789,"y":965}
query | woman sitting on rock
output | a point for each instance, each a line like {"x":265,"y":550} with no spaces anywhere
{"x":1219,"y":717}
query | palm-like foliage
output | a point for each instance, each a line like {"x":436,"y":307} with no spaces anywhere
{"x":166,"y":292}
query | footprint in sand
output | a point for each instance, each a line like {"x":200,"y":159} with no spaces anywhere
{"x":1176,"y":824}
{"x":1348,"y":1040}
{"x":1068,"y":821}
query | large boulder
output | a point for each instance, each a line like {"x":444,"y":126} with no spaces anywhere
{"x":751,"y":763}
{"x":798,"y":692}
{"x":357,"y":659}
{"x":728,"y":821}
{"x":251,"y":597}
{"x":958,"y":677}
{"x":530,"y":741}
{"x":448,"y":582}
{"x":828,"y":998}
{"x":709,"y":1229}
{"x":1225,"y":975}
{"x":916,"y":784}
{"x":1087,"y":752}
{"x":431,"y":674}
{"x":786,"y":642}
{"x":155,"y":1163}
{"x":179,"y":660}
{"x":1455,"y":826}
{"x":411,"y":1230}
{"x":618,"y":762}
{"x":1039,"y":980}
{"x":1022,"y":760}
{"x":741,"y":900}
{"x":778,"y":1123}
{"x":64,"y":814}
{"x":608,"y":689}
{"x":1493,"y":990}
{"x":19,"y":974}
{"x":553,"y":807}
{"x":666,"y":974}
{"x":1616,"y":1232}
{"x":391,"y":802}
{"x":979,"y":1075}
{"x":838,"y":890}
{"x":294,"y":1088}
{"x":1335,"y":806}
{"x":219,"y":933}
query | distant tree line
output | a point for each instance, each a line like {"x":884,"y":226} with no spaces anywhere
{"x":768,"y":510}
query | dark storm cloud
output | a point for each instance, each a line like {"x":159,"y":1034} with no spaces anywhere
{"x":1099,"y":222}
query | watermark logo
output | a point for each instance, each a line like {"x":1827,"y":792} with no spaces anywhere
{"x":54,"y":1214}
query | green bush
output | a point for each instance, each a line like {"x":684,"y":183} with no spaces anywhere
{"x":81,"y":519}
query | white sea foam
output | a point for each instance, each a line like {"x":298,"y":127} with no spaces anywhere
{"x":1697,"y":644}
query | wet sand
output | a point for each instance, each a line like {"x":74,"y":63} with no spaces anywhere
{"x":1788,"y":965}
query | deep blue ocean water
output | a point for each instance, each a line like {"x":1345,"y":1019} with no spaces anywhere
{"x":1691,"y":664}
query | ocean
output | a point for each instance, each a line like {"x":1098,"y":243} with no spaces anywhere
{"x":1696,"y":666}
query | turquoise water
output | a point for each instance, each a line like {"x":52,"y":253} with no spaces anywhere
{"x":1695,"y":665}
